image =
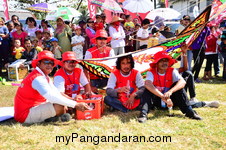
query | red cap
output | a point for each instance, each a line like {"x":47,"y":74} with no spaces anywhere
{"x":44,"y":55}
{"x":69,"y":55}
{"x":101,"y":33}
{"x":160,"y":55}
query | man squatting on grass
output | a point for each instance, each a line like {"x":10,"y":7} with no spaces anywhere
{"x":37,"y":99}
{"x":164,"y":88}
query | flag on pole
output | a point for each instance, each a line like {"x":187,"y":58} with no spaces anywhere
{"x":92,"y":10}
{"x":6,"y":10}
{"x":166,"y":3}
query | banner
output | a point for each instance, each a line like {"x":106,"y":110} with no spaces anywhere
{"x":92,"y":10}
{"x":6,"y":11}
{"x":102,"y":67}
{"x":166,"y":3}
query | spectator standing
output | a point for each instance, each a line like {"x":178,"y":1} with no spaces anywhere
{"x":31,"y":27}
{"x":63,"y":33}
{"x":19,"y":33}
{"x":77,"y":43}
{"x":90,"y":32}
{"x":117,"y":33}
{"x":143,"y":34}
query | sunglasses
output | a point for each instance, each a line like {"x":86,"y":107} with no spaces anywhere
{"x":101,"y":38}
{"x":91,"y":22}
{"x":47,"y":62}
{"x":70,"y":61}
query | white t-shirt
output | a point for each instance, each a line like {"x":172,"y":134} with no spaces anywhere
{"x":59,"y":82}
{"x":143,"y":33}
{"x":120,"y":34}
{"x":31,"y":32}
{"x":49,"y":91}
{"x":77,"y":39}
{"x":176,"y":76}
{"x":112,"y":80}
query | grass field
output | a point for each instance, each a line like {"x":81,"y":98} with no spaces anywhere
{"x":210,"y":133}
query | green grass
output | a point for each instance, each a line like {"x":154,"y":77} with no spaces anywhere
{"x":185,"y":133}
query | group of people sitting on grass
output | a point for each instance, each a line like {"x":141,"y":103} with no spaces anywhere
{"x":38,"y":99}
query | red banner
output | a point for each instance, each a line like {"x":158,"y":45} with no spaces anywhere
{"x":92,"y":10}
{"x":6,"y":11}
{"x":166,"y":3}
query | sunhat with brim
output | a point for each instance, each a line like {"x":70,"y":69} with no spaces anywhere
{"x":69,"y":55}
{"x":116,"y":19}
{"x":160,"y":55}
{"x":45,"y":55}
{"x":101,"y":33}
{"x":60,"y":18}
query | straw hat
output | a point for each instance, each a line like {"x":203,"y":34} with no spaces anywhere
{"x":116,"y":19}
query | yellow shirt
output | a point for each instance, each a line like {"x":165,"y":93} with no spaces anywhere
{"x":39,"y":49}
{"x":18,"y":52}
{"x":130,"y":24}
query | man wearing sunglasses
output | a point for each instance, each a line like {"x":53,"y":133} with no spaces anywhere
{"x":37,"y":99}
{"x":68,"y":78}
{"x":101,"y":50}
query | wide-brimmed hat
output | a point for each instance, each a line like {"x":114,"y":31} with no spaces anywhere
{"x":69,"y":55}
{"x":116,"y":19}
{"x":101,"y":33}
{"x":44,"y":55}
{"x":160,"y":55}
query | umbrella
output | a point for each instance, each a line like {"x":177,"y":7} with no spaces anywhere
{"x":110,"y":5}
{"x":138,"y":6}
{"x":41,"y":7}
{"x":166,"y":13}
{"x":67,"y":13}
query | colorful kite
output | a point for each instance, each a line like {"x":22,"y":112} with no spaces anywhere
{"x":102,"y":67}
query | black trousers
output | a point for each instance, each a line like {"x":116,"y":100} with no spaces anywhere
{"x":198,"y":57}
{"x":190,"y":83}
{"x":179,"y":98}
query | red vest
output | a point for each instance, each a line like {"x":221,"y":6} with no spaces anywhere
{"x":96,"y":54}
{"x":26,"y":97}
{"x":163,"y":83}
{"x":71,"y":81}
{"x":123,"y":81}
{"x":211,"y":42}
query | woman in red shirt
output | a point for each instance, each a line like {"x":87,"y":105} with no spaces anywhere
{"x":19,"y":33}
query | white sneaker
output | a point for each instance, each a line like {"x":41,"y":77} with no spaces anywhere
{"x":214,"y":104}
{"x":193,"y":100}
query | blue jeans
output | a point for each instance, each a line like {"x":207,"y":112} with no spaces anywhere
{"x":115,"y":103}
{"x":190,"y":56}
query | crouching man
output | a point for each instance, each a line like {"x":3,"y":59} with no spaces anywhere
{"x":37,"y":99}
{"x":122,"y":93}
{"x":164,"y":88}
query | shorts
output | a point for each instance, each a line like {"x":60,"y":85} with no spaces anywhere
{"x":40,"y":113}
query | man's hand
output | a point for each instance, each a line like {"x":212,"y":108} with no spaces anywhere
{"x":88,"y":94}
{"x":130,"y":101}
{"x":169,"y":103}
{"x":124,"y":89}
{"x":78,"y":97}
{"x":82,"y":106}
{"x":167,"y":95}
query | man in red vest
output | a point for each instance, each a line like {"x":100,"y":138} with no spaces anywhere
{"x":101,"y":50}
{"x":164,"y":88}
{"x":125,"y":86}
{"x":37,"y":99}
{"x":68,"y":78}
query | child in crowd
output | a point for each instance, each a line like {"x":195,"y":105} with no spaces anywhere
{"x":129,"y":22}
{"x":18,"y":50}
{"x":39,"y":36}
{"x":35,"y":45}
{"x":19,"y":33}
{"x":143,"y":34}
{"x":98,"y":25}
{"x":55,"y":48}
{"x":46,"y":40}
{"x":77,"y":43}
